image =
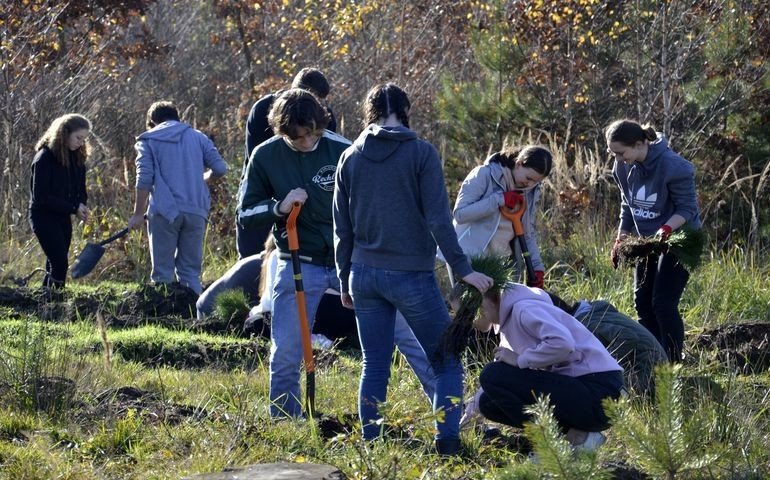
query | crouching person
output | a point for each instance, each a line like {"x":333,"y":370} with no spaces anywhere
{"x":545,"y":351}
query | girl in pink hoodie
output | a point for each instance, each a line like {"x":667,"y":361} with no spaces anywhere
{"x":545,"y":351}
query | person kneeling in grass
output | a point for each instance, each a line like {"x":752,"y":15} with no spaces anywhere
{"x":544,"y":351}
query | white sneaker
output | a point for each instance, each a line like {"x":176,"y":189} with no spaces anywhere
{"x":593,"y":441}
{"x":472,"y":414}
{"x":320,"y":341}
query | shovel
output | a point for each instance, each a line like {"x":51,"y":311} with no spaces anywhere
{"x":518,"y":229}
{"x":307,"y":347}
{"x":90,"y":255}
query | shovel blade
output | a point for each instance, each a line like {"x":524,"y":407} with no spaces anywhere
{"x":87,"y":260}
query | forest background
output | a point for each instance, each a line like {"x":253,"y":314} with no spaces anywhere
{"x":480,"y":75}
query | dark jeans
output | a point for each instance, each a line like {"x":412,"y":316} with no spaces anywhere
{"x":54,"y":232}
{"x":577,"y":401}
{"x":659,"y":282}
{"x":250,"y":241}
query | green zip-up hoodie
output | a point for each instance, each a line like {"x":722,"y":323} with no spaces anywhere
{"x":274,"y":170}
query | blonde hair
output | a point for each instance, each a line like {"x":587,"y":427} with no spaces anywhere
{"x":268,"y":249}
{"x":55,"y":138}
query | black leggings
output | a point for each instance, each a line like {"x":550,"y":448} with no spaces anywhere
{"x":659,"y":282}
{"x":54,"y":232}
{"x":577,"y":401}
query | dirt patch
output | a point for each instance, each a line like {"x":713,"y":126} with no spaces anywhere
{"x":116,"y":402}
{"x":331,"y":426}
{"x":743,"y":346}
{"x":195,"y":354}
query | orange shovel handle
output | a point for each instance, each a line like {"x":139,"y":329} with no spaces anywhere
{"x":515,"y":215}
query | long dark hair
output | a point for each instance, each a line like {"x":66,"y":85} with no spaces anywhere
{"x":536,"y":157}
{"x":383,"y":100}
{"x":56,"y":136}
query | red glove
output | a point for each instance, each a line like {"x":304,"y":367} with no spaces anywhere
{"x":615,"y":252}
{"x":513,"y":199}
{"x":538,"y":283}
{"x":664,"y":232}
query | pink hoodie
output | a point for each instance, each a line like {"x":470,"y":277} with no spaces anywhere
{"x":547,"y":338}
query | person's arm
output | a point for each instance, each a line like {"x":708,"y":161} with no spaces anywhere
{"x":626,"y":219}
{"x":682,"y":192}
{"x":434,"y":203}
{"x":530,"y":229}
{"x":343,"y":229}
{"x":471,"y":204}
{"x":140,"y":207}
{"x":555,"y":342}
{"x":256,"y":204}
{"x":215,"y":165}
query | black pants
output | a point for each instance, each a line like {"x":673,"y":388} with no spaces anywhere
{"x":54,"y":232}
{"x":659,"y":282}
{"x":577,"y":401}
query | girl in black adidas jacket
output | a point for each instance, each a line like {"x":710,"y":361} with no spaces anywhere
{"x":58,"y":191}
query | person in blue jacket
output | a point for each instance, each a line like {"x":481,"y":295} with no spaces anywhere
{"x":174,"y":162}
{"x":390,"y":211}
{"x":657,"y":196}
{"x":58,"y":191}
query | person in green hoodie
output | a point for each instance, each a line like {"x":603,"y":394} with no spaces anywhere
{"x":297,"y":165}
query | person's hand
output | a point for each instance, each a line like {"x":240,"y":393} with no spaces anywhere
{"x":615,"y":252}
{"x":347,"y":300}
{"x":478,"y":280}
{"x":539,"y":279}
{"x":135,"y":221}
{"x":297,"y":195}
{"x":513,"y":199}
{"x":83,"y":212}
{"x":506,"y":355}
{"x":663,"y":232}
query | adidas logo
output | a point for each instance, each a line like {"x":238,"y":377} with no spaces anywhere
{"x":643,"y":200}
{"x":642,"y":204}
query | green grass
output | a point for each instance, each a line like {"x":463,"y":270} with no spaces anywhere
{"x":205,"y":406}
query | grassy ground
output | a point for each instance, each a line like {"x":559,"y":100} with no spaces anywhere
{"x":157,"y":396}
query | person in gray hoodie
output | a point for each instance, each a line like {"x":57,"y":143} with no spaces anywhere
{"x":390,"y":210}
{"x":174,"y":162}
{"x":657,"y":196}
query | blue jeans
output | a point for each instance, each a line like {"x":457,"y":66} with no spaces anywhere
{"x":410,"y":348}
{"x":377,"y":295}
{"x":286,"y":348}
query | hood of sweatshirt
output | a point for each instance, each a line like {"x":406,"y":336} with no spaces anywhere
{"x":656,"y":150}
{"x":515,"y":293}
{"x":170,"y":131}
{"x":378,"y":143}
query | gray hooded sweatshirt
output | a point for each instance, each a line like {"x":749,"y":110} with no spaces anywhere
{"x":391,"y":206}
{"x":170,"y":162}
{"x":654,"y":190}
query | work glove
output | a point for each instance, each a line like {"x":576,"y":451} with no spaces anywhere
{"x":538,"y":282}
{"x":663,"y":233}
{"x":615,"y":252}
{"x":513,"y":199}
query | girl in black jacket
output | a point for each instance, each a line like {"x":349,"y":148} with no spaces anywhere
{"x":58,"y":190}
